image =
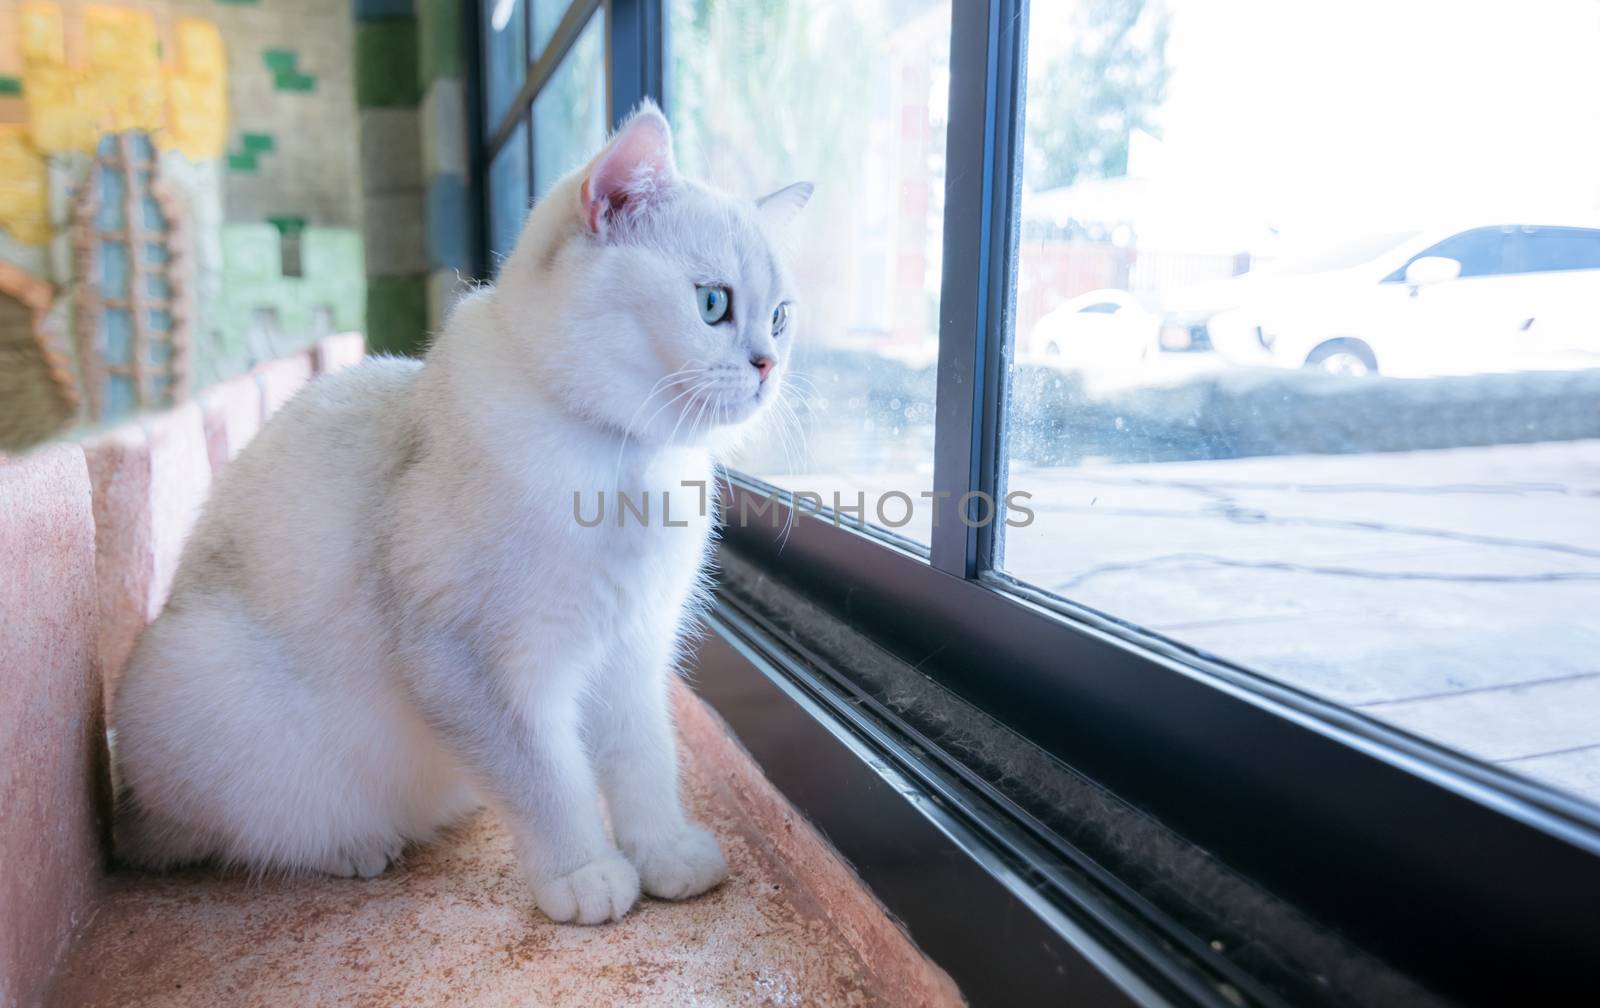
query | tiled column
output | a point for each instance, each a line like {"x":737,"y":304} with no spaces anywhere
{"x":387,"y":93}
{"x":444,"y":152}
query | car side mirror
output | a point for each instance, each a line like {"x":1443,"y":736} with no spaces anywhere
{"x":1432,"y":270}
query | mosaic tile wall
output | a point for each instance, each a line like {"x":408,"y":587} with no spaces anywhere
{"x":414,"y":165}
{"x":180,"y":198}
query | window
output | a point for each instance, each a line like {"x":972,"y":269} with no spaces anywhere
{"x":1298,"y":563}
{"x":505,"y":54}
{"x":550,"y":56}
{"x":546,"y":15}
{"x":750,"y":118}
{"x":510,"y":192}
{"x":569,"y":114}
{"x":1408,"y":545}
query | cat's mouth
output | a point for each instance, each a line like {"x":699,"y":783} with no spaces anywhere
{"x":728,"y":406}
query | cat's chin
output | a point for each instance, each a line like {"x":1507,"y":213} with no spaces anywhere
{"x":735,"y":411}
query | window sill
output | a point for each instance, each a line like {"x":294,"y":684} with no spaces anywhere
{"x":455,"y":921}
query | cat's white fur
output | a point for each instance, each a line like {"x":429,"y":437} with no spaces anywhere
{"x":388,"y":610}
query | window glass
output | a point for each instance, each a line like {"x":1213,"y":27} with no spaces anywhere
{"x":1554,"y":249}
{"x":569,"y":113}
{"x":508,"y":195}
{"x":1384,"y":494}
{"x":505,"y":56}
{"x":1483,"y":252}
{"x":852,"y":97}
{"x":546,"y":16}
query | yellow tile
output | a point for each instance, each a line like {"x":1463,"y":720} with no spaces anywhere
{"x":197,"y":97}
{"x":42,"y":38}
{"x":121,"y":84}
{"x":200,"y":52}
{"x":24,"y":188}
{"x":63,"y":112}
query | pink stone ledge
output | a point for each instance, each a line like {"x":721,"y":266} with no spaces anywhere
{"x":455,"y":925}
{"x":89,"y":539}
{"x":52,"y":813}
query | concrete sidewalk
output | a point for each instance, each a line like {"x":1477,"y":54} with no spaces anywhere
{"x":1452,"y":592}
{"x":1455,"y":593}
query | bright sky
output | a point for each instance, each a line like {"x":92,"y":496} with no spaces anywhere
{"x":1375,"y":115}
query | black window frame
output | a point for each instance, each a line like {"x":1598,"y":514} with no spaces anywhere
{"x":1481,"y":884}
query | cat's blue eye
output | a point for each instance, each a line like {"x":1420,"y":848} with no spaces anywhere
{"x":713,"y":303}
{"x":780,"y":318}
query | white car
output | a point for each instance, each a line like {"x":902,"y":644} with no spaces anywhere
{"x":1097,"y":330}
{"x":1496,"y":298}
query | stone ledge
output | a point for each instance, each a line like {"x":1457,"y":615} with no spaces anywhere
{"x":232,"y":415}
{"x":51,"y":733}
{"x":280,"y":380}
{"x":149,"y":482}
{"x":89,"y":539}
{"x":339,"y":351}
{"x":455,"y":924}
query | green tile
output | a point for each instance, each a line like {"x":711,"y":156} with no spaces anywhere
{"x":286,"y":75}
{"x":381,"y":10}
{"x":397,"y":314}
{"x":333,"y":277}
{"x":439,"y":22}
{"x":251,"y":147}
{"x":10,"y":87}
{"x":386,"y":64}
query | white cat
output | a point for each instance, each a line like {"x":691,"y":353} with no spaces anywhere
{"x":390,"y":609}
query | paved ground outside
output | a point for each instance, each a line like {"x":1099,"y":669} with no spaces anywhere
{"x":1454,"y":593}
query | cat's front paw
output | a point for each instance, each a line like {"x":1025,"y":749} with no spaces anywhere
{"x":681,"y":864}
{"x":602,"y":890}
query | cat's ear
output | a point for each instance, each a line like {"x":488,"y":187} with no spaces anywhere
{"x":779,"y":208}
{"x":634,"y":170}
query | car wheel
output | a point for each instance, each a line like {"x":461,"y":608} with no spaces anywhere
{"x":1347,"y":357}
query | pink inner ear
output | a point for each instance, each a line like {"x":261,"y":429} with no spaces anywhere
{"x":632,"y":171}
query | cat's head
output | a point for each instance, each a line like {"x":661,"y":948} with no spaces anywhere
{"x":653,"y":304}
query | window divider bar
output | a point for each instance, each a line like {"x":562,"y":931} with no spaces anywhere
{"x":635,"y":55}
{"x":987,"y":41}
{"x":477,"y":156}
{"x":572,"y":24}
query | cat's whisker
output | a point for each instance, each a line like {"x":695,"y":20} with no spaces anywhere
{"x":788,"y":525}
{"x":782,"y":414}
{"x":792,"y":432}
{"x":686,"y":392}
{"x":695,"y":391}
{"x":627,"y":430}
{"x":802,"y":382}
{"x":700,"y":414}
{"x":694,"y":428}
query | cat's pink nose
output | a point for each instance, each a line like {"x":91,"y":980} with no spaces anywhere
{"x":763,"y":365}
